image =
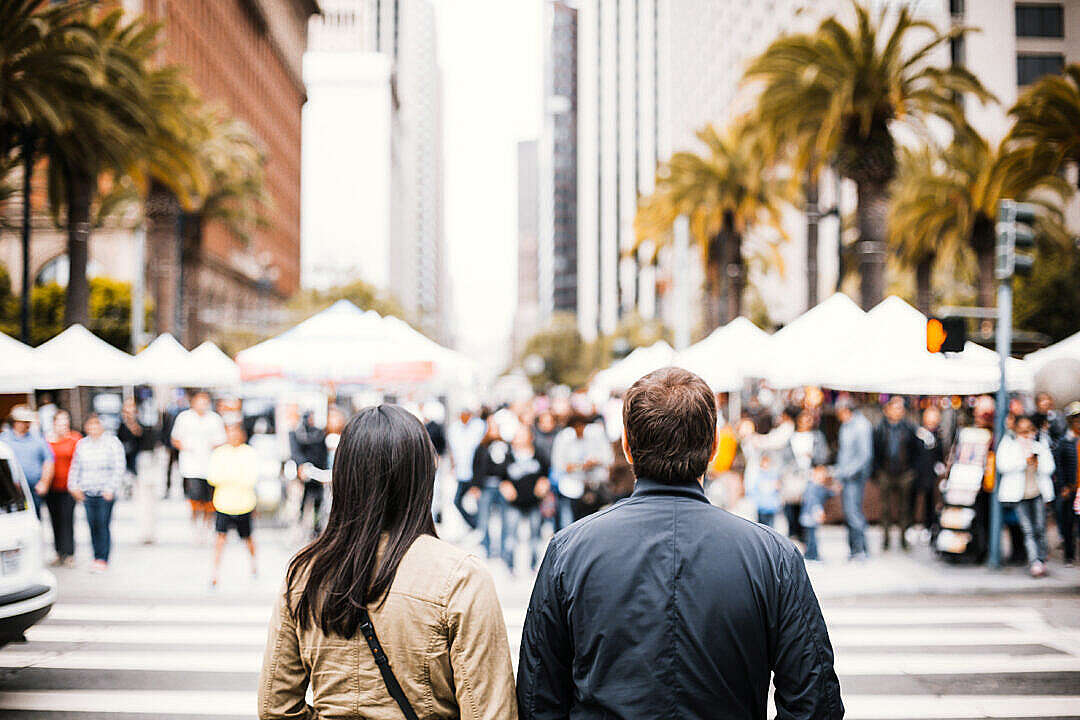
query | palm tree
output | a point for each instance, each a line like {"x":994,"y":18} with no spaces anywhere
{"x":723,"y":193}
{"x":1048,"y":120}
{"x":852,"y":85}
{"x":46,"y":56}
{"x":946,"y":202}
{"x":110,"y":124}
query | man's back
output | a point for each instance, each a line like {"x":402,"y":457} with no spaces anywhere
{"x":664,"y":606}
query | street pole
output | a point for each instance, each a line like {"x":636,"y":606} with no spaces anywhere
{"x":681,"y":280}
{"x":1004,"y":343}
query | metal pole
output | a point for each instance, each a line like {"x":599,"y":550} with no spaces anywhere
{"x":138,"y":290}
{"x":24,"y":301}
{"x":1004,"y":344}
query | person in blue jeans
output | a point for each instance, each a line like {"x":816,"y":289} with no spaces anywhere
{"x":854,"y":462}
{"x":812,"y":515}
{"x":525,"y":485}
{"x":766,"y":489}
{"x":96,"y":475}
{"x":489,"y":471}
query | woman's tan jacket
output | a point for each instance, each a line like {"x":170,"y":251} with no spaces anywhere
{"x":442,"y":629}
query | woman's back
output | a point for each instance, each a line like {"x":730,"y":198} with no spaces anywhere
{"x":443,"y":632}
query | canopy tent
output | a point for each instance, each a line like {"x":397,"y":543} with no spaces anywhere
{"x":344,"y":344}
{"x":624,"y":373}
{"x":889,"y":355}
{"x":164,"y":362}
{"x":805,"y":350}
{"x":211,"y":367}
{"x":1068,"y":348}
{"x":728,"y":356}
{"x":84,"y":359}
{"x":19,"y":372}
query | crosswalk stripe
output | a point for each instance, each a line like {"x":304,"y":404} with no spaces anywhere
{"x":255,"y":614}
{"x":149,"y":635}
{"x":219,"y":703}
{"x":250,"y":662}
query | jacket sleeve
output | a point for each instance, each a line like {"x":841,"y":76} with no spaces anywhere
{"x":545,"y":684}
{"x":479,"y":648}
{"x":1008,"y":458}
{"x":806,"y":683}
{"x":284,"y":679}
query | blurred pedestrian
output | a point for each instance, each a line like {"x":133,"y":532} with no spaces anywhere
{"x":766,"y":490}
{"x":1025,"y":466}
{"x":95,"y":478}
{"x":195,"y":434}
{"x":581,"y":458}
{"x":58,"y":500}
{"x":462,"y":437}
{"x":1048,"y":418}
{"x":134,"y":436}
{"x":819,"y":489}
{"x":895,"y":450}
{"x":434,"y":415}
{"x":490,"y":461}
{"x":409,"y":626}
{"x":233,"y":473}
{"x":168,"y":420}
{"x":929,"y":466}
{"x":526,"y":483}
{"x":806,"y":450}
{"x":854,"y":463}
{"x":31,"y":452}
{"x":46,"y":413}
{"x":308,"y":446}
{"x":1066,"y":481}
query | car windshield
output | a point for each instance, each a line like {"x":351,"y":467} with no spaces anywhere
{"x":12,"y":497}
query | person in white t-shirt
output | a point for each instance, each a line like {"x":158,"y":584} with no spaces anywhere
{"x":195,"y":434}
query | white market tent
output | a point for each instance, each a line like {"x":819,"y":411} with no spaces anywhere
{"x":19,"y":372}
{"x":624,"y":373}
{"x":890,"y":356}
{"x":87,"y":360}
{"x":1069,"y":348}
{"x":810,"y":346}
{"x":211,"y":367}
{"x":344,"y":344}
{"x":728,"y":356}
{"x":164,"y":362}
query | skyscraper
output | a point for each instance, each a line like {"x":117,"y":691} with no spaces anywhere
{"x":527,"y":317}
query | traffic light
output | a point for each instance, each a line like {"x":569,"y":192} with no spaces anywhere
{"x":1015,"y":239}
{"x":948,"y":334}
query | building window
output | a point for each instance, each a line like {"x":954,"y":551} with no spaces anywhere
{"x":1030,"y":68}
{"x":1040,"y":20}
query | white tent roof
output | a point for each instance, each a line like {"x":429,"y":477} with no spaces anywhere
{"x":729,"y":354}
{"x":85,"y":359}
{"x":642,"y":361}
{"x":890,"y":356}
{"x":346,"y":344}
{"x":164,"y":362}
{"x":811,"y":345}
{"x":1067,"y":348}
{"x":211,"y":367}
{"x":16,"y":366}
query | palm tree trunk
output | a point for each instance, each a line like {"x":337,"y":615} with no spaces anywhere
{"x":736,"y":276}
{"x":812,"y":220}
{"x":983,"y":244}
{"x":871,"y":216}
{"x":190,"y":261}
{"x":80,"y":188}
{"x":163,"y":274}
{"x":714,"y":282}
{"x":28,"y":173}
{"x":923,"y":292}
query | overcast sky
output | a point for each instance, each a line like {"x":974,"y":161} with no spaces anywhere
{"x":490,"y":56}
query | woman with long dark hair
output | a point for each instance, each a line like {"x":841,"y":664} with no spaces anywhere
{"x":378,"y":615}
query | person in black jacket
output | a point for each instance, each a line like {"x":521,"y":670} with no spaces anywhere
{"x":489,"y":464}
{"x":895,"y":450}
{"x":929,"y":465}
{"x":664,"y":606}
{"x":526,"y":483}
{"x":308,"y":447}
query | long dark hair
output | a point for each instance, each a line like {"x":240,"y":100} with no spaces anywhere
{"x":383,"y":480}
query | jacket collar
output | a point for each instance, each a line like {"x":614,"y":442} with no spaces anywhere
{"x":645,"y":486}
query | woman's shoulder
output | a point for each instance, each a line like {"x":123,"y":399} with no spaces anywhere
{"x":432,"y":568}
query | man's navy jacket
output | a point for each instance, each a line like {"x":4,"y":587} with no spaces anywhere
{"x":663,"y":606}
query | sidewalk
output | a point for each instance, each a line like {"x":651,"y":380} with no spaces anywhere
{"x":919,"y":572}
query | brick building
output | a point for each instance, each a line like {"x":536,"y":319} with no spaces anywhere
{"x":246,"y":56}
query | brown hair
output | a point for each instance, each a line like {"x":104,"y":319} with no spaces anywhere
{"x":670,"y":421}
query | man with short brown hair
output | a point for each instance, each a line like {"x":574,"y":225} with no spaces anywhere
{"x":663,"y":606}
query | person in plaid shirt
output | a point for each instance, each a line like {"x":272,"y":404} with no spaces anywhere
{"x":97,"y":471}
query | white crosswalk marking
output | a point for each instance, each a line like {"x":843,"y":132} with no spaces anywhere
{"x":192,"y":659}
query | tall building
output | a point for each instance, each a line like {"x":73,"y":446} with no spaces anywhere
{"x":527,"y":313}
{"x":244,"y":55}
{"x":374,"y":176}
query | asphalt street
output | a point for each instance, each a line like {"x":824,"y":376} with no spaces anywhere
{"x":150,"y":639}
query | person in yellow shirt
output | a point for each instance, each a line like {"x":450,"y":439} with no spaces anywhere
{"x":233,"y":473}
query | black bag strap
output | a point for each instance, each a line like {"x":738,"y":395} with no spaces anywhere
{"x":392,"y":685}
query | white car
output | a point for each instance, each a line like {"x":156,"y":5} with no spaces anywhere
{"x":27,"y":589}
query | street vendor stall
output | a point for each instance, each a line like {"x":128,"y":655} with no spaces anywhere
{"x":623,"y":373}
{"x":728,"y":356}
{"x":807,"y":350}
{"x":164,"y":362}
